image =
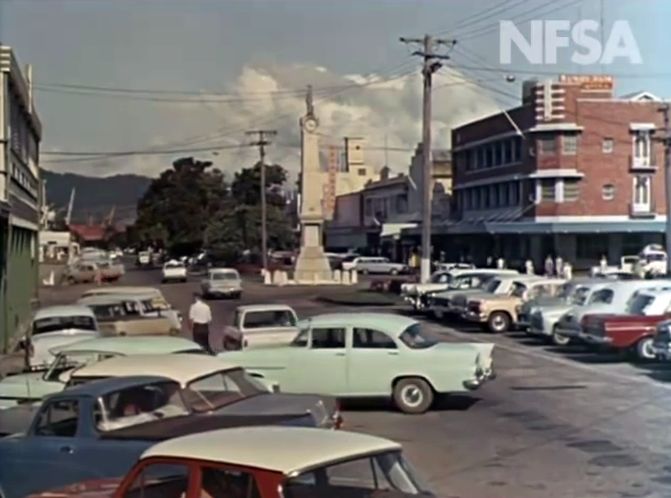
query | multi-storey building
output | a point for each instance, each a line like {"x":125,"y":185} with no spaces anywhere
{"x":573,"y":172}
{"x":20,"y":197}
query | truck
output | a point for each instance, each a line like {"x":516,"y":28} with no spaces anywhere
{"x":261,"y":325}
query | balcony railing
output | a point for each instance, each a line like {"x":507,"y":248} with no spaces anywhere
{"x":642,"y":163}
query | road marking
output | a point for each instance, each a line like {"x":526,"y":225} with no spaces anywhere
{"x":533,"y":353}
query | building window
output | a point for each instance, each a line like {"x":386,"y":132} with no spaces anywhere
{"x":517,"y":149}
{"x":569,"y":145}
{"x":547,"y":146}
{"x":608,"y":192}
{"x":514,"y":193}
{"x":476,"y":198}
{"x":571,"y":189}
{"x":503,"y":194}
{"x":473,"y":159}
{"x":547,"y":190}
{"x":489,"y":156}
{"x":642,"y":193}
{"x":507,"y":152}
{"x":481,"y":158}
{"x":361,"y":171}
{"x":498,"y":153}
{"x":369,"y":207}
{"x":493,"y":196}
{"x":642,"y":145}
{"x":607,"y":145}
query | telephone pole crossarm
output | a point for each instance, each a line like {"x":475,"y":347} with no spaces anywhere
{"x":261,"y":143}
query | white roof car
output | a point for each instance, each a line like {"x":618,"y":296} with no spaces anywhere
{"x":122,"y":290}
{"x":63,"y":311}
{"x":288,"y":450}
{"x":182,"y":368}
{"x":263,"y":307}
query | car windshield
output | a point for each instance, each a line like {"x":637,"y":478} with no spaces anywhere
{"x":639,"y":304}
{"x":492,"y":285}
{"x":440,"y":278}
{"x":224,"y":275}
{"x":56,"y":323}
{"x":580,"y":296}
{"x":221,"y":388}
{"x":138,"y":405}
{"x":603,"y":296}
{"x":385,"y":472}
{"x":518,"y":290}
{"x":417,"y":338}
{"x":655,"y":257}
{"x":69,"y":360}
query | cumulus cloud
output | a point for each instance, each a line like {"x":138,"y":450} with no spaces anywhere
{"x":379,"y":107}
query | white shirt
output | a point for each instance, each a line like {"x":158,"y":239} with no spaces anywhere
{"x":200,"y":313}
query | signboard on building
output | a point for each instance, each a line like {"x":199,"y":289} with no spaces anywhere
{"x":588,"y":81}
{"x":329,"y":187}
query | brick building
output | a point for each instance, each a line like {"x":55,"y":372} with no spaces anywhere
{"x":584,"y":177}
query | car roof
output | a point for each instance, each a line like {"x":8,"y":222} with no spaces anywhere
{"x":223,"y":270}
{"x":383,"y":321}
{"x":655,"y":293}
{"x":280,"y":449}
{"x":108,"y":299}
{"x":63,"y":311}
{"x":105,"y":386}
{"x":130,"y":345}
{"x":182,"y":368}
{"x":121,"y":289}
{"x":545,"y":280}
{"x":264,"y":307}
{"x":638,"y":284}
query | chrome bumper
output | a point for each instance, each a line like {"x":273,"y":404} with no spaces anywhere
{"x":472,"y":316}
{"x":573,"y":333}
{"x":473,"y":384}
{"x":595,"y":339}
{"x":662,"y":351}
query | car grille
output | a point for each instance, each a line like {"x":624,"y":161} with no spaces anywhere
{"x":537,"y":321}
{"x":459,"y":301}
{"x":662,"y":337}
{"x":474,"y":307}
{"x":441,"y":301}
{"x":595,"y":328}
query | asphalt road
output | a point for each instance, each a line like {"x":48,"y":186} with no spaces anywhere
{"x":555,"y":423}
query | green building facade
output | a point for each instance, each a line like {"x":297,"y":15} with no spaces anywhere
{"x":20,"y":134}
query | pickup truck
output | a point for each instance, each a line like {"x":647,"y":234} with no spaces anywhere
{"x":98,"y":429}
{"x":633,"y":331}
{"x":261,"y":325}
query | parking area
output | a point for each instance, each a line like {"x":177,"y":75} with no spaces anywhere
{"x":556,"y":422}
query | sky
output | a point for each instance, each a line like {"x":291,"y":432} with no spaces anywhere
{"x":215,"y":68}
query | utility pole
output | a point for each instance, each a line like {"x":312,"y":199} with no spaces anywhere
{"x":261,"y":144}
{"x":430,"y":65}
{"x":666,"y":140}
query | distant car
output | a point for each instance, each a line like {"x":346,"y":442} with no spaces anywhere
{"x":263,"y":462}
{"x":612,"y":298}
{"x":99,"y":429}
{"x":222,"y":282}
{"x":143,"y":258}
{"x":54,"y":326}
{"x":635,"y":329}
{"x":370,"y":355}
{"x":374,"y":265}
{"x":173,"y":271}
{"x":87,"y":272}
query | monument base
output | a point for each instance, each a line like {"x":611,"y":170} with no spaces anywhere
{"x":312,"y":266}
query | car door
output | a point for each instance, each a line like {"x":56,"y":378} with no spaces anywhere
{"x":52,"y":449}
{"x":372,"y":362}
{"x":321,"y":367}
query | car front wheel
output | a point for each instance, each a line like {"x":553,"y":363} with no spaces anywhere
{"x":413,"y":395}
{"x":644,"y":349}
{"x":498,"y":322}
{"x":558,"y":339}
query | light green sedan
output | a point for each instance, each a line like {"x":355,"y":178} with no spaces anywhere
{"x":371,"y":355}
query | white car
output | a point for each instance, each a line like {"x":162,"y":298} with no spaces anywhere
{"x":174,"y":271}
{"x":373,"y":264}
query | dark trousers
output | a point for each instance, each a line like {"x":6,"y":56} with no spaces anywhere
{"x":201,"y":335}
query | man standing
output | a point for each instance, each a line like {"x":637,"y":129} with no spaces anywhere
{"x":200,"y":317}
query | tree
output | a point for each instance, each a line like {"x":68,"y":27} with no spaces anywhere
{"x":237,"y":227}
{"x":176,"y":207}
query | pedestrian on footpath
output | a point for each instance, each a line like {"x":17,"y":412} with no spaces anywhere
{"x":549,"y":266}
{"x":200,"y":317}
